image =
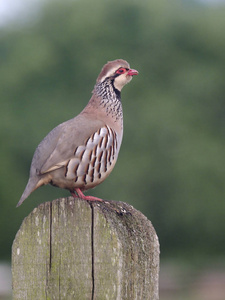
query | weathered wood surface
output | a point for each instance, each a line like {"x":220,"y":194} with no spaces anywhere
{"x":74,"y":249}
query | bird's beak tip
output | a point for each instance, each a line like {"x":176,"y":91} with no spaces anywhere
{"x":132,"y":72}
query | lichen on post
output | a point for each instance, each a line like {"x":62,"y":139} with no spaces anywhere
{"x":75,"y":249}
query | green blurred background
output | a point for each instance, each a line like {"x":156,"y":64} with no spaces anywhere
{"x":171,"y":164}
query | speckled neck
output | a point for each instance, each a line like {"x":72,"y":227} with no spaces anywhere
{"x":110,"y":99}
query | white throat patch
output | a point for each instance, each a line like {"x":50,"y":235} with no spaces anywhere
{"x":121,"y":80}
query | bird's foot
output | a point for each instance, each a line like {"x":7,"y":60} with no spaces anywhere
{"x":80,"y":195}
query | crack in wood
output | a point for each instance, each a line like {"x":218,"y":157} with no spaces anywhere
{"x":59,"y":276}
{"x":50,"y":237}
{"x":49,"y":259}
{"x":92,"y":251}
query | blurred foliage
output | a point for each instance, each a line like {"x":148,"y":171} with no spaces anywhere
{"x":171,"y":164}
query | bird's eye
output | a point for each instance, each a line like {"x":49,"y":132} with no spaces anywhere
{"x":121,"y":71}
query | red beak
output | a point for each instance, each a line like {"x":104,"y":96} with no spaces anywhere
{"x":132,"y":72}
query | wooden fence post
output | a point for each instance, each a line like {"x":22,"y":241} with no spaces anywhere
{"x":74,"y":249}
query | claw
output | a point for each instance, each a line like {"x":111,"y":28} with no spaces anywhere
{"x":82,"y":196}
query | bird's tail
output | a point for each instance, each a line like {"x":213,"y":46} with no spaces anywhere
{"x":32,"y":185}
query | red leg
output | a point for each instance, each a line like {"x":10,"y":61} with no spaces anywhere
{"x":74,"y":195}
{"x":82,"y":196}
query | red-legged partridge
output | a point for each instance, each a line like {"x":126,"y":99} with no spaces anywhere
{"x":79,"y":154}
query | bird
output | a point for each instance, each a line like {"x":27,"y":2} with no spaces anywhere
{"x":80,"y":153}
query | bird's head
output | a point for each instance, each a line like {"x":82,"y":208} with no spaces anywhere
{"x":118,"y":72}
